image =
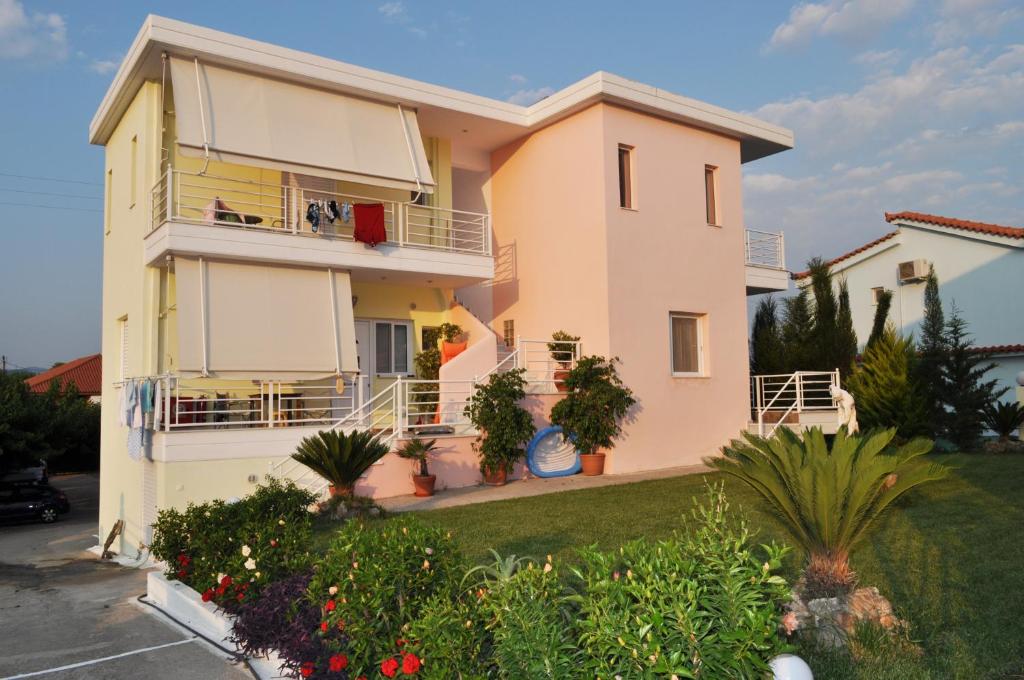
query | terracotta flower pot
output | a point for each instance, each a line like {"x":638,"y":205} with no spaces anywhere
{"x":341,"y":490}
{"x":592,"y":464}
{"x":495,"y":477}
{"x":560,"y":376}
{"x":424,"y":484}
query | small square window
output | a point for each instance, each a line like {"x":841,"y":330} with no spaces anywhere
{"x":627,"y":190}
{"x":687,"y":339}
{"x":711,"y":194}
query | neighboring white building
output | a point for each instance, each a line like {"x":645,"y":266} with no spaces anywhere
{"x":980,"y":268}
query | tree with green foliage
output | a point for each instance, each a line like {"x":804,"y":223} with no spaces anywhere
{"x":881,"y":319}
{"x":832,"y":342}
{"x":932,"y":350}
{"x":796,"y":330}
{"x":964,"y":392}
{"x":884,"y":387}
{"x":846,"y":336}
{"x":767,"y":352}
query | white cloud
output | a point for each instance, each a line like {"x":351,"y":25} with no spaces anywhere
{"x":959,"y":20}
{"x":104,"y":66}
{"x":838,"y":18}
{"x":517,"y":78}
{"x":526,"y":97}
{"x":773,"y":183}
{"x":392,"y":9}
{"x":37,"y":36}
{"x":878,"y":58}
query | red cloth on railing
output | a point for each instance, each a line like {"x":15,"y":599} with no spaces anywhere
{"x":370,"y":223}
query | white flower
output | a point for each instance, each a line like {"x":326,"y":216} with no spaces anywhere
{"x":257,"y":574}
{"x":547,"y":567}
{"x":246,"y":551}
{"x":333,"y":590}
{"x":313,"y":507}
{"x":250,"y":564}
{"x":429,"y":551}
{"x":220,"y":577}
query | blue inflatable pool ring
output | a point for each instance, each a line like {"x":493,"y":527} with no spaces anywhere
{"x":549,"y":454}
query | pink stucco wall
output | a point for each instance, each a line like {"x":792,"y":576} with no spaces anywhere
{"x":612,"y":276}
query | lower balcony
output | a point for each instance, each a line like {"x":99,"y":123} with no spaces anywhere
{"x":223,"y":218}
{"x":765,"y":259}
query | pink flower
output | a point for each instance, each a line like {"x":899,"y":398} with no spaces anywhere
{"x":790,"y":623}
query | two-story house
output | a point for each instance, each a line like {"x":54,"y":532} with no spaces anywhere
{"x":281,"y":229}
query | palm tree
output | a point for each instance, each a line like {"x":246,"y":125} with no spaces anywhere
{"x":828,"y":499}
{"x":340,"y":459}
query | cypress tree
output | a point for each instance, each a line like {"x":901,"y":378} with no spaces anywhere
{"x":821,"y":353}
{"x":884,"y":388}
{"x":766,"y":350}
{"x":796,"y":332}
{"x":846,"y":336}
{"x":932,"y":354}
{"x":881,"y":317}
{"x":963,"y":390}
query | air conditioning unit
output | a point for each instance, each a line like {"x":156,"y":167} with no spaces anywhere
{"x":913,"y":271}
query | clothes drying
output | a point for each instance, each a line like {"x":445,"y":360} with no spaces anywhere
{"x":370,"y":227}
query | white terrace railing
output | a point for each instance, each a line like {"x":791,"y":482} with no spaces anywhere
{"x":774,"y":398}
{"x":247,"y":204}
{"x":764,"y":249}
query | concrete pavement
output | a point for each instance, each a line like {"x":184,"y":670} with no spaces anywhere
{"x":60,"y":606}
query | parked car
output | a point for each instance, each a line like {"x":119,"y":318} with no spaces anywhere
{"x":27,"y":501}
{"x":34,"y":473}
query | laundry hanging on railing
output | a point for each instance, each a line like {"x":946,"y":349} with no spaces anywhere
{"x":370,"y":227}
{"x":140,"y":408}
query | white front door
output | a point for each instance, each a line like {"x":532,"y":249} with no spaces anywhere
{"x":364,"y":354}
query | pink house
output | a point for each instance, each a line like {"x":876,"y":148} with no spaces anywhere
{"x":611,"y":210}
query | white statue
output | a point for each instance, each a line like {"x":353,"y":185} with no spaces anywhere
{"x":846,"y":407}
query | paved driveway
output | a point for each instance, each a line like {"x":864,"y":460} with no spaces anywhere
{"x":62,"y":610}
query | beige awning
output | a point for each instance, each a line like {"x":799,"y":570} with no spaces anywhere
{"x":263,"y":322}
{"x":256,"y":120}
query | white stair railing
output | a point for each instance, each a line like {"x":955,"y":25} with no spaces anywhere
{"x":786,"y":393}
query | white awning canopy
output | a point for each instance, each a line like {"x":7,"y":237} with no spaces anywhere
{"x":251,"y":119}
{"x":263,"y":322}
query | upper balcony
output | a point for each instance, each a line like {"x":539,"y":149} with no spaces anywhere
{"x":226,"y":218}
{"x":765,"y":258}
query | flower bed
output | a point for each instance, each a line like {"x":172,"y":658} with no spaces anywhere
{"x":396,"y":599}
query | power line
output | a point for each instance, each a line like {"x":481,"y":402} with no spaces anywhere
{"x":50,"y":193}
{"x":51,"y":207}
{"x":51,"y":179}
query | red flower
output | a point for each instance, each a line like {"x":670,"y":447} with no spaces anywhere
{"x":389,"y":667}
{"x":307,"y":669}
{"x":323,"y":626}
{"x":226,"y":581}
{"x":338,"y":662}
{"x":410,"y":664}
{"x":220,"y":590}
{"x":273,"y":543}
{"x":182,"y":573}
{"x":183,"y":560}
{"x":330,"y":605}
{"x":241,"y":596}
{"x":207,"y":594}
{"x":400,"y":642}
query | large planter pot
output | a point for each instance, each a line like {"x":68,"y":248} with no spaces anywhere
{"x":592,"y":464}
{"x":341,"y":490}
{"x":559,"y":377}
{"x":495,"y":477}
{"x":424,"y":484}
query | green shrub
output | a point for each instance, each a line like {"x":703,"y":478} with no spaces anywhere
{"x":451,"y":638}
{"x":885,"y":388}
{"x":702,"y":604}
{"x":229,"y":551}
{"x":1004,"y":418}
{"x":340,"y":458}
{"x":373,"y":581}
{"x":597,"y":402}
{"x":505,"y":426}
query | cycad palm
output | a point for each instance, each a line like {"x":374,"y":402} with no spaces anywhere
{"x":828,"y":500}
{"x":339,"y":458}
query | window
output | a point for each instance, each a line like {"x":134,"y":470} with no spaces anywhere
{"x":392,"y":349}
{"x":123,"y":329}
{"x":107,"y":201}
{"x":710,"y":193}
{"x":626,"y":193}
{"x":876,"y":294}
{"x":509,"y":333}
{"x":135,"y":169}
{"x":687,"y":344}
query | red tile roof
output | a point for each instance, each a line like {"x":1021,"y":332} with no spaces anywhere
{"x":846,"y":256}
{"x":1000,"y":349}
{"x":952,"y":222}
{"x":977,"y":227}
{"x":86,"y":373}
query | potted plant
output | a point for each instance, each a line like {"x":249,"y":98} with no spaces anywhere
{"x":563,"y":352}
{"x":339,"y":458}
{"x":419,"y":450}
{"x":592,"y":411}
{"x":505,"y":427}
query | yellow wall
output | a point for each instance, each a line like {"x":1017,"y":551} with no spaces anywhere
{"x":129,"y":290}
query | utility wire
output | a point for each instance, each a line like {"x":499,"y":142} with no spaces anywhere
{"x":50,"y":193}
{"x":51,"y":207}
{"x":51,"y":179}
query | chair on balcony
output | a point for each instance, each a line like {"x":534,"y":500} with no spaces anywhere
{"x":218,"y":212}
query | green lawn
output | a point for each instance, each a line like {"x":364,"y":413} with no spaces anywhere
{"x":950,"y":557}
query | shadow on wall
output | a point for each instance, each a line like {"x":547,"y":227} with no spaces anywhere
{"x":505,"y":285}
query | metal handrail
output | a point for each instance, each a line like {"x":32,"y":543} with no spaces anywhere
{"x":807,"y":390}
{"x":764,"y":249}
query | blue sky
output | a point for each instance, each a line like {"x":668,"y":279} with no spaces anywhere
{"x":896,"y":105}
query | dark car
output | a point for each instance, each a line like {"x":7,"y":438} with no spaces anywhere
{"x":35,"y":474}
{"x":32,"y":501}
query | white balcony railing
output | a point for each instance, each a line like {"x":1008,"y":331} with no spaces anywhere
{"x":764,"y":249}
{"x":248,"y":204}
{"x":774,"y":398}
